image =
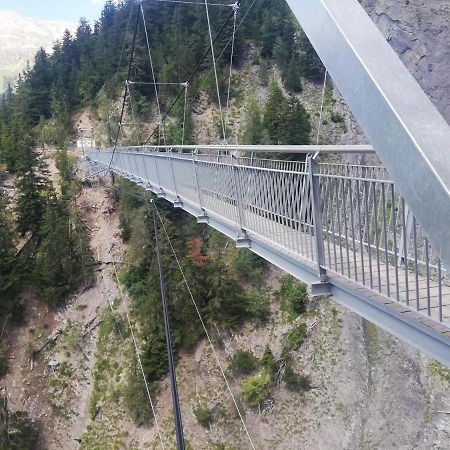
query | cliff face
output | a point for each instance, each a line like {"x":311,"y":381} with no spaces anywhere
{"x":419,"y":31}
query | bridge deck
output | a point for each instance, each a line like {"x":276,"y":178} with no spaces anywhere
{"x":374,"y":253}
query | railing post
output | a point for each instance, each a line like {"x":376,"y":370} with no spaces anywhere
{"x":157,"y":173}
{"x":240,"y":203}
{"x":204,"y":217}
{"x":313,"y":171}
{"x":177,"y":201}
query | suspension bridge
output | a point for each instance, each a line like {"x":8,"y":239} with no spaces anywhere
{"x":376,"y":238}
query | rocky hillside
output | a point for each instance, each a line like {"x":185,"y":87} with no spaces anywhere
{"x":20,"y":38}
{"x":420,"y":33}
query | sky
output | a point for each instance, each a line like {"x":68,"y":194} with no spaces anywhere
{"x":63,"y":10}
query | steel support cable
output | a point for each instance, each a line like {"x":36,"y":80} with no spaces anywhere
{"x":219,"y":365}
{"x":184,"y":114}
{"x":136,"y":136}
{"x":115,"y":80}
{"x":237,"y":28}
{"x":188,"y":82}
{"x":215,"y":71}
{"x":136,"y":347}
{"x":169,"y":346}
{"x":235,"y":9}
{"x":133,"y":46}
{"x":153,"y":74}
{"x":121,"y":57}
{"x":319,"y":126}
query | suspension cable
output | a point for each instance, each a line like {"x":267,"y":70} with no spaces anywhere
{"x":235,"y":9}
{"x":133,"y":46}
{"x":153,"y":75}
{"x":204,"y":326}
{"x":118,"y":69}
{"x":169,"y":346}
{"x":136,"y":136}
{"x":136,"y":347}
{"x":215,"y":71}
{"x":188,"y":82}
{"x":184,"y":114}
{"x":319,"y":125}
{"x":237,"y":28}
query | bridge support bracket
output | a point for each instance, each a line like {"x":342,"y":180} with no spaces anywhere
{"x":161,"y":194}
{"x":203,"y":218}
{"x":243,"y":242}
{"x":177,"y":203}
{"x":320,"y":289}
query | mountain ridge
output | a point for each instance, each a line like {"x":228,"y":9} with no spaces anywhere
{"x":18,"y":47}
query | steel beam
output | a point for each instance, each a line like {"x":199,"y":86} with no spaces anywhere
{"x":407,"y":132}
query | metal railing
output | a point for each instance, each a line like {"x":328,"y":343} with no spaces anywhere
{"x":347,"y":220}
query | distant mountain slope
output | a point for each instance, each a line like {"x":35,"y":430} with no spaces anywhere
{"x":20,"y":38}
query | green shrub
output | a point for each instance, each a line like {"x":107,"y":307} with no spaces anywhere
{"x":257,"y":388}
{"x":249,"y":265}
{"x":243,"y":362}
{"x":268,"y":361}
{"x":293,"y":296}
{"x":294,"y":339}
{"x":258,"y":305}
{"x":296,"y":382}
{"x":203,"y":415}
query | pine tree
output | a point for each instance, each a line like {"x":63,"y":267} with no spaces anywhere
{"x":275,"y":114}
{"x":253,"y":132}
{"x":33,"y":189}
{"x":299,"y":126}
{"x":291,"y":76}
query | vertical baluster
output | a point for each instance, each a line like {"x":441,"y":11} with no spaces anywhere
{"x":385,"y":235}
{"x":377,"y":237}
{"x":440,"y":288}
{"x":427,"y":266}
{"x":404,"y":255}
{"x":416,"y":264}
{"x":369,"y":241}
{"x":394,"y":231}
{"x":344,"y":206}
{"x":317,"y":218}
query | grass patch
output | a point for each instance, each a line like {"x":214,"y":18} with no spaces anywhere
{"x":439,"y":370}
{"x":372,"y":336}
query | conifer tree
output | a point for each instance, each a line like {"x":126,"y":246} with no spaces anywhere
{"x":275,"y":114}
{"x":33,"y":189}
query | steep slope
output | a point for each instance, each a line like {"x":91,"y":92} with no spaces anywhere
{"x":420,"y":34}
{"x":20,"y":38}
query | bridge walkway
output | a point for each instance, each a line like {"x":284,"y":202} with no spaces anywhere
{"x":371,"y":246}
